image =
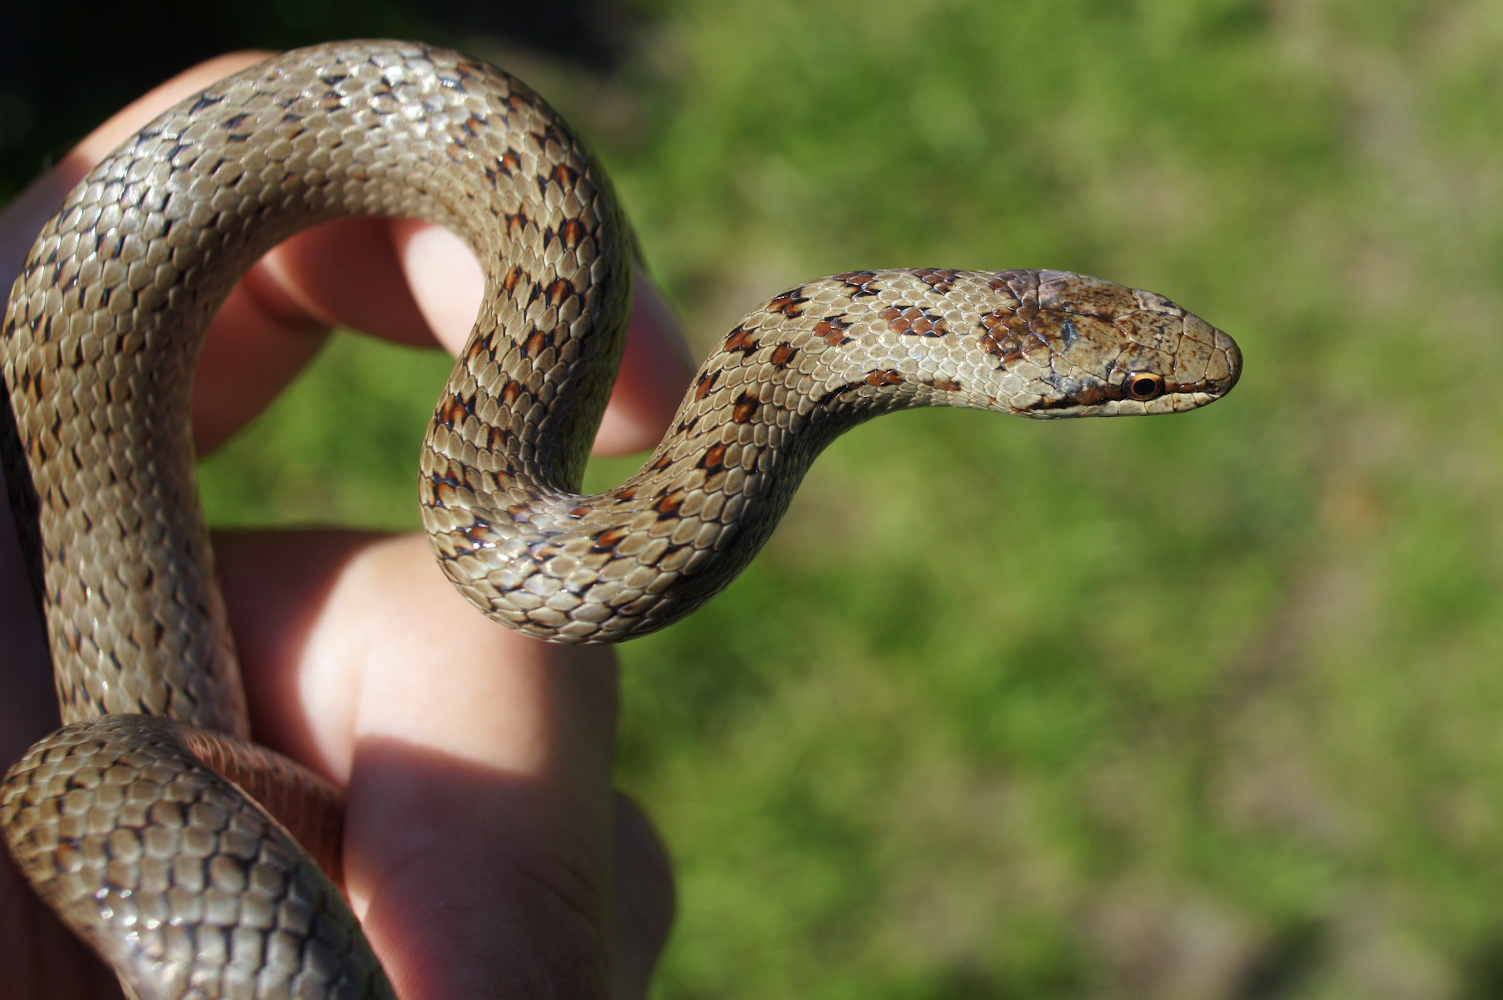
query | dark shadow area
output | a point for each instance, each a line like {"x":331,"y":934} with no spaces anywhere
{"x":1285,"y":966}
{"x":66,"y":67}
{"x":516,"y":887}
{"x":1482,"y":973}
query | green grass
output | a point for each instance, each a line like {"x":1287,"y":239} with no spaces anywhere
{"x":1209,"y":706}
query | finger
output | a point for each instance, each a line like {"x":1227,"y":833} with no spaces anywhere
{"x":479,"y":833}
{"x":655,"y":374}
{"x":412,"y":283}
{"x":343,"y":273}
{"x":643,"y":904}
{"x":447,"y":285}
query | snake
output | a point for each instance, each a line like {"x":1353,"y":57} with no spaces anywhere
{"x":201,"y":865}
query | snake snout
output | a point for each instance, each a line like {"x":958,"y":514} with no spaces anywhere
{"x":1233,"y":355}
{"x":1206,"y":366}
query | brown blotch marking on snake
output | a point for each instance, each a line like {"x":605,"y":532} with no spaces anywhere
{"x":714,"y":459}
{"x":706,"y":383}
{"x":497,"y":437}
{"x":455,"y":409}
{"x":608,"y":539}
{"x":830,"y":395}
{"x":627,"y":493}
{"x":942,"y":280}
{"x":480,"y":347}
{"x":884,"y":376}
{"x":517,"y":224}
{"x":583,"y":510}
{"x":747,"y":406}
{"x":560,"y":291}
{"x":669,"y":505}
{"x":561,"y":174}
{"x":571,"y":233}
{"x":945,"y":384}
{"x":513,"y":276}
{"x":536,"y":344}
{"x":1016,"y":281}
{"x":441,"y":479}
{"x":1001,"y":346}
{"x":783,"y":354}
{"x":914,"y":320}
{"x":1002,"y":328}
{"x":1024,"y":286}
{"x":741,"y":339}
{"x":791,"y":303}
{"x":662,"y":462}
{"x":509,"y":162}
{"x":512,"y":392}
{"x":833,"y":331}
{"x":1087,"y":396}
{"x":858,"y":283}
{"x":478,"y":532}
{"x":1003,"y":321}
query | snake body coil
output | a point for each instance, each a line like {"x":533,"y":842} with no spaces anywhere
{"x":132,"y":821}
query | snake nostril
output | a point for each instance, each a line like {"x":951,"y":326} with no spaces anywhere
{"x":1144,"y":386}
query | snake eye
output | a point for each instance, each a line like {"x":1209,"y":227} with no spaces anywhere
{"x":1144,"y":386}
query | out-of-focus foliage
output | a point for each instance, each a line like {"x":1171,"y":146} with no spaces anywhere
{"x":1202,"y":707}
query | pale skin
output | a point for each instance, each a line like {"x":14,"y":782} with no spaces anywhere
{"x":486,"y":853}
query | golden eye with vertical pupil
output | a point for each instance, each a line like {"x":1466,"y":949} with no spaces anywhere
{"x":1144,"y":386}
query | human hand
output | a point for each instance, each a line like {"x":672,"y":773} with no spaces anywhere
{"x":485,"y":851}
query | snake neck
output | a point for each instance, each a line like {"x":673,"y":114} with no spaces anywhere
{"x":522,"y":545}
{"x":787,"y":381}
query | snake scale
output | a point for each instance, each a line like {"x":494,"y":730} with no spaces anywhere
{"x":134,"y":821}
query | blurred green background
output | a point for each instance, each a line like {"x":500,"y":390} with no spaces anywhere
{"x":1203,"y":707}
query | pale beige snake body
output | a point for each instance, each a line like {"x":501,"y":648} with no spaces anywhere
{"x":123,"y":819}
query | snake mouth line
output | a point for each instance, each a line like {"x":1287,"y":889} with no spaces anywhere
{"x":1085,"y":397}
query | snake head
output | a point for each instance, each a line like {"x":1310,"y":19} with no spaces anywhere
{"x":1097,"y":349}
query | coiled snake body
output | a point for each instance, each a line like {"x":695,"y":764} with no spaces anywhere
{"x":133,"y":821}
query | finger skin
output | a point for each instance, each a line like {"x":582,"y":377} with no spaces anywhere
{"x":447,"y":285}
{"x":500,"y":746}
